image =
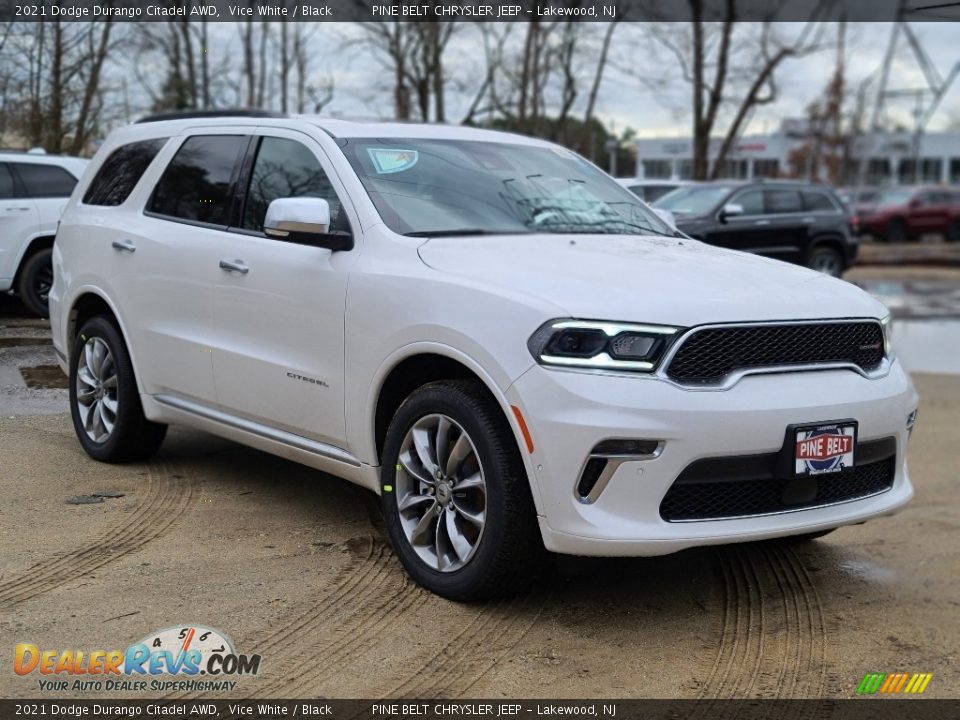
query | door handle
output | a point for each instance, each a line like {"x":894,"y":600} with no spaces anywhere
{"x":124,"y":246}
{"x":762,"y":222}
{"x":20,"y":209}
{"x":808,"y":221}
{"x":234,"y":266}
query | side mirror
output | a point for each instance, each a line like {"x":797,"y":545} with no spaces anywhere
{"x":730,"y":210}
{"x":304,"y":220}
{"x":667,"y":216}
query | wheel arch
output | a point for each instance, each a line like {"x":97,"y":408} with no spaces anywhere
{"x":90,"y":302}
{"x":419,"y":364}
{"x":40,"y":242}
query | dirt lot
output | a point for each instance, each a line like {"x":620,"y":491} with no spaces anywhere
{"x":292,"y":564}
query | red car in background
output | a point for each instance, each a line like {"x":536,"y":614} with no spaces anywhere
{"x":905,"y":213}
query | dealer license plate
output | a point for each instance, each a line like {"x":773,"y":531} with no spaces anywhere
{"x":821,"y":449}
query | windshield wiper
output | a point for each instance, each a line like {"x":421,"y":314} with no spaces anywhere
{"x":456,"y":232}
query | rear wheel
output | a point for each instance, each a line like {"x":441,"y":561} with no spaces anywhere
{"x":455,"y":494}
{"x":104,"y":399}
{"x":896,"y":231}
{"x":35,"y":281}
{"x":953,"y":231}
{"x":826,"y":259}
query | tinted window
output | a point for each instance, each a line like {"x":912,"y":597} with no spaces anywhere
{"x":751,"y":200}
{"x":43,"y":181}
{"x":6,"y":182}
{"x":783,"y":201}
{"x":285,"y":168}
{"x":121,"y":171}
{"x":196,"y":184}
{"x":817,"y":201}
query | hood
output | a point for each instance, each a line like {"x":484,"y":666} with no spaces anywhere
{"x":648,"y":279}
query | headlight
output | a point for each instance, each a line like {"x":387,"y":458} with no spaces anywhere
{"x":885,"y":324}
{"x":601,"y":345}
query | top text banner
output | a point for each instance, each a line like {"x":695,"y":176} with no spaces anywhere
{"x":474,"y":10}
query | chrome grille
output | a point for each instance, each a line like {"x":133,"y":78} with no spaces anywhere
{"x":707,"y":355}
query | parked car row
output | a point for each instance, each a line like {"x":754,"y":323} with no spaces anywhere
{"x":801,"y":222}
{"x":33,"y":192}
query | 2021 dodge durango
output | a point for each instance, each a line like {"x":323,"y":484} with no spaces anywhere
{"x":508,"y":347}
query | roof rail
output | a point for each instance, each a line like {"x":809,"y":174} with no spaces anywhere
{"x":196,"y":114}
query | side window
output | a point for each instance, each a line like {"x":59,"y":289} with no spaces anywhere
{"x":197,"y":183}
{"x":285,"y":168}
{"x":751,"y":200}
{"x":45,"y":181}
{"x":6,"y":182}
{"x":815,"y":201}
{"x":121,"y":171}
{"x":783,"y":201}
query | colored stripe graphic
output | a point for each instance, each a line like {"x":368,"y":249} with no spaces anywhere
{"x":894,"y":683}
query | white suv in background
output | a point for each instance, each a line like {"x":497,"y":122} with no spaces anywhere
{"x":485,"y":329}
{"x":33,"y":192}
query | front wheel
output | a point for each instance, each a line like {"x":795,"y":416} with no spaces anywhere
{"x":104,"y":399}
{"x":35,"y":281}
{"x":896,"y":231}
{"x":455,"y":494}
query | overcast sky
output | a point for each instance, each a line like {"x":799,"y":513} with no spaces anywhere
{"x":626,"y":101}
{"x":363,"y":85}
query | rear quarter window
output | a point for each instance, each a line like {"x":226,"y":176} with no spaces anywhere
{"x":816,"y":201}
{"x":45,"y":181}
{"x":121,"y":172}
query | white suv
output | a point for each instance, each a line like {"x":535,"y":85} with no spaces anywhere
{"x":485,"y":329}
{"x":33,"y":192}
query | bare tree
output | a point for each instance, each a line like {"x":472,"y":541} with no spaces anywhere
{"x":731,"y":68}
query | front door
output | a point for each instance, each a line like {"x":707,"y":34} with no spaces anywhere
{"x":279,"y":306}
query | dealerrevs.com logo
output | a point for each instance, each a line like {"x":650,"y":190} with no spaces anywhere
{"x":198,"y":659}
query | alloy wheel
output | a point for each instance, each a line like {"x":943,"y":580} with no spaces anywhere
{"x":441,"y":492}
{"x":97,"y":401}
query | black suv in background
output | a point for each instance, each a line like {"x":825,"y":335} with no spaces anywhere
{"x":798,"y":222}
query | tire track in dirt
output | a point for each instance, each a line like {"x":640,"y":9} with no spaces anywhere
{"x":468,"y":656}
{"x":168,"y":496}
{"x":773,"y":637}
{"x":367,"y":600}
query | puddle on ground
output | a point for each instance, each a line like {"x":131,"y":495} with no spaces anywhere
{"x":45,"y":377}
{"x":928,"y":346}
{"x":866,"y":570}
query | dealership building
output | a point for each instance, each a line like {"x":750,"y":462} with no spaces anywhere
{"x":889,"y":157}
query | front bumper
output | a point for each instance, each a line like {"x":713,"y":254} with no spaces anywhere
{"x":568,"y":413}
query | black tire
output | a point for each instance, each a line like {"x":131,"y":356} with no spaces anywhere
{"x":953,"y":230}
{"x":896,"y":231}
{"x":509,"y":549}
{"x":34,"y":282}
{"x":133,"y":437}
{"x":827,"y":259}
{"x":805,"y":537}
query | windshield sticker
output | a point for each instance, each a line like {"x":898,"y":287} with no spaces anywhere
{"x":392,"y":161}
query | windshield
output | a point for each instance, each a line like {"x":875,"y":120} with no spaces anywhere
{"x":894,"y":197}
{"x":426,"y":187}
{"x":697,"y":200}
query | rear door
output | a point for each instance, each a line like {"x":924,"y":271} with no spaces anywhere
{"x":279,"y":320}
{"x":786,"y":235}
{"x":19,"y":222}
{"x":170,"y":252}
